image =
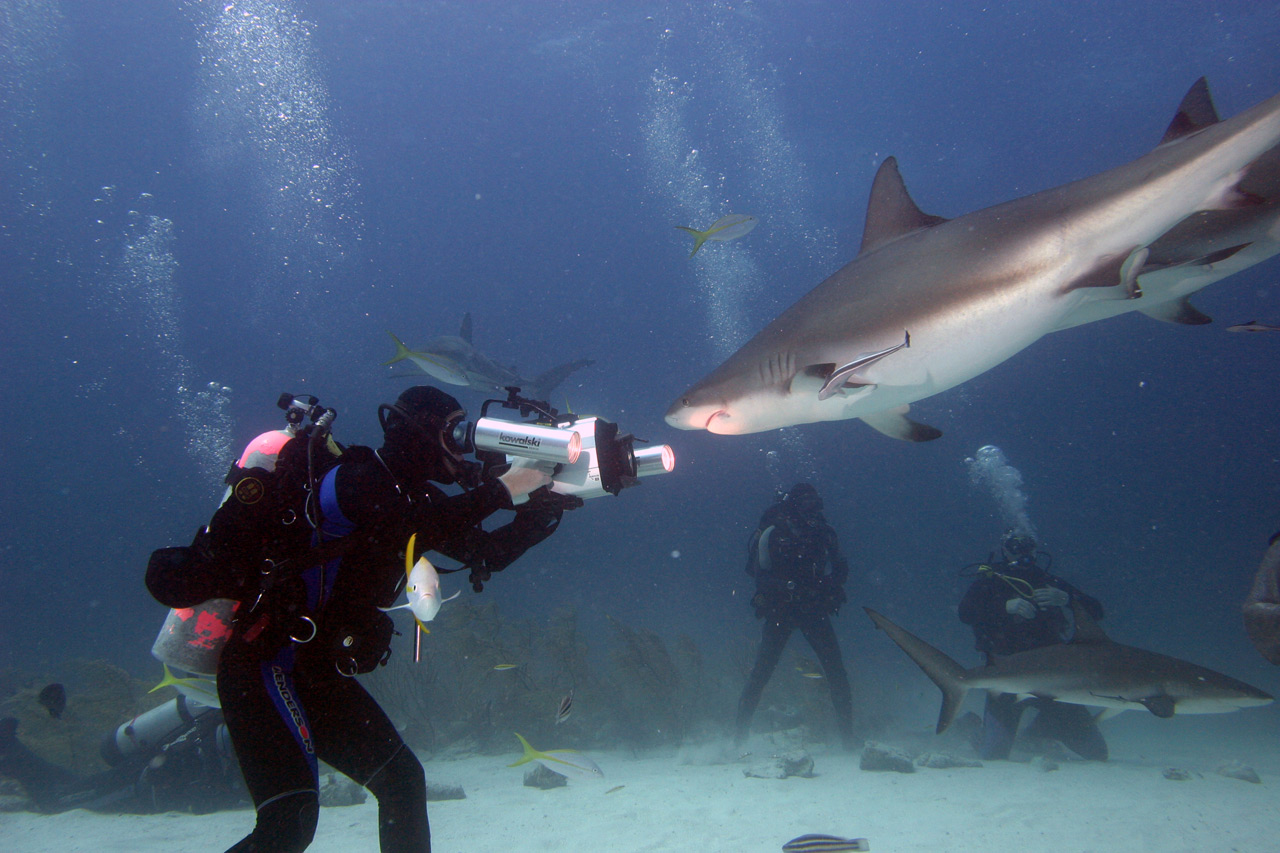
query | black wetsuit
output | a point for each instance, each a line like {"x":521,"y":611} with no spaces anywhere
{"x":284,"y":684}
{"x":800,"y":574}
{"x":998,"y":632}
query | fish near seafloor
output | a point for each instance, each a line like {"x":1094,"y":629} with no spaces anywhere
{"x":566,"y":762}
{"x":453,"y":359}
{"x":54,"y":699}
{"x":1092,"y":670}
{"x":815,"y":843}
{"x":930,"y":303}
{"x":422,"y":588}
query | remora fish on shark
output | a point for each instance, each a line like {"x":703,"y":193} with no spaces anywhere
{"x":1093,"y":670}
{"x":453,"y":359}
{"x":930,"y":303}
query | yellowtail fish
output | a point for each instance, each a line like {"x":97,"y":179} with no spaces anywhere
{"x":811,"y":675}
{"x":1253,"y":326}
{"x":725,"y":228}
{"x":615,"y":788}
{"x":504,"y":667}
{"x":824,"y":844}
{"x":202,"y":690}
{"x":565,"y":709}
{"x":422,"y":588}
{"x":566,"y":762}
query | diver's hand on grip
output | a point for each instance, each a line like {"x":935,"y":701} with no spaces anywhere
{"x":525,"y":476}
{"x":1050,"y":596}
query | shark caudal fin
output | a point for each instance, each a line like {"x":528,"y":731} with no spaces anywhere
{"x":402,"y":351}
{"x":942,"y":670}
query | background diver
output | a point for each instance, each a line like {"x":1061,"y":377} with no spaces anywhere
{"x":795,"y":558}
{"x":1014,"y":605}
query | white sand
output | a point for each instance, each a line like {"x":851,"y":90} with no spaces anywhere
{"x":1125,"y":804}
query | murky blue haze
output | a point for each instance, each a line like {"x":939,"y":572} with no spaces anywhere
{"x":204,"y":204}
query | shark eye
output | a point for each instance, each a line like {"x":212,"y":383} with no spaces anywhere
{"x":685,"y":402}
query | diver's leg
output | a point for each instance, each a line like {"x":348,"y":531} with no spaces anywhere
{"x":1074,"y":725}
{"x":999,"y":725}
{"x":356,"y":738}
{"x":274,"y":746}
{"x":773,"y":639}
{"x":822,"y":637}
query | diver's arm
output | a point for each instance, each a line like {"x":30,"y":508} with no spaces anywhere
{"x":839,"y":565}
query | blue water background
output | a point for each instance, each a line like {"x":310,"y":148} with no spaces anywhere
{"x":337,"y":170}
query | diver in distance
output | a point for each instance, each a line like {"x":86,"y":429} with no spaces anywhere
{"x":174,"y":758}
{"x":794,"y":556}
{"x":305,"y":628}
{"x":1014,"y":605}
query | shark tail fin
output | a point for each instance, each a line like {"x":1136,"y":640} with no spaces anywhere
{"x":942,"y":670}
{"x":402,"y":351}
{"x":530,"y":754}
{"x":699,"y":237}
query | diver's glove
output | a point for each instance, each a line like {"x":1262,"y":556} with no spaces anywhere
{"x":1020,"y":607}
{"x":1050,"y":596}
{"x":525,"y":476}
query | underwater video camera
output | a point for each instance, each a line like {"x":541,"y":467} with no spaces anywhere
{"x":591,"y":457}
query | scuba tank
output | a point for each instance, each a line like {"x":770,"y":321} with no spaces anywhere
{"x":150,"y":731}
{"x":191,"y":638}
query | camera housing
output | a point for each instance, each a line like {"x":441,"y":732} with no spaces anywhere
{"x":592,"y":458}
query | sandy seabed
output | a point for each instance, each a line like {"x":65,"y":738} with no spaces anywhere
{"x":680,"y":801}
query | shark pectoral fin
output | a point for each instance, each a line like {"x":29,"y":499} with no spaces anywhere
{"x":1179,"y":311}
{"x":1108,"y":713}
{"x":895,"y":424}
{"x":1162,"y":706}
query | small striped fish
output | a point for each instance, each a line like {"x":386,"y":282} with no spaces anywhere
{"x":824,"y":844}
{"x":565,"y":709}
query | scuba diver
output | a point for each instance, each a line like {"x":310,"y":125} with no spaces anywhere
{"x":1015,"y":605}
{"x":175,"y":757}
{"x":795,"y":557}
{"x":309,"y":622}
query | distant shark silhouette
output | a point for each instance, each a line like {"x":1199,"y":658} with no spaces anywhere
{"x":454,"y":360}
{"x":930,"y":303}
{"x":1093,"y":670}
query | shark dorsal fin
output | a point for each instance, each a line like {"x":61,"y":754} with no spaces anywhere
{"x":1087,"y":628}
{"x":464,"y":331}
{"x":1194,"y":113}
{"x":890,"y":210}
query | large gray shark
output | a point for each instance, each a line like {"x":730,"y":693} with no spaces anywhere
{"x":1090,"y":671}
{"x":929,"y":303}
{"x":453,"y":359}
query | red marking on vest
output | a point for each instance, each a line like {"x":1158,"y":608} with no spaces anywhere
{"x":209,"y":630}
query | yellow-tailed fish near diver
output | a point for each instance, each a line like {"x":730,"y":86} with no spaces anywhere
{"x":566,"y":762}
{"x":202,"y":690}
{"x":422,"y":587}
{"x":724,"y":229}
